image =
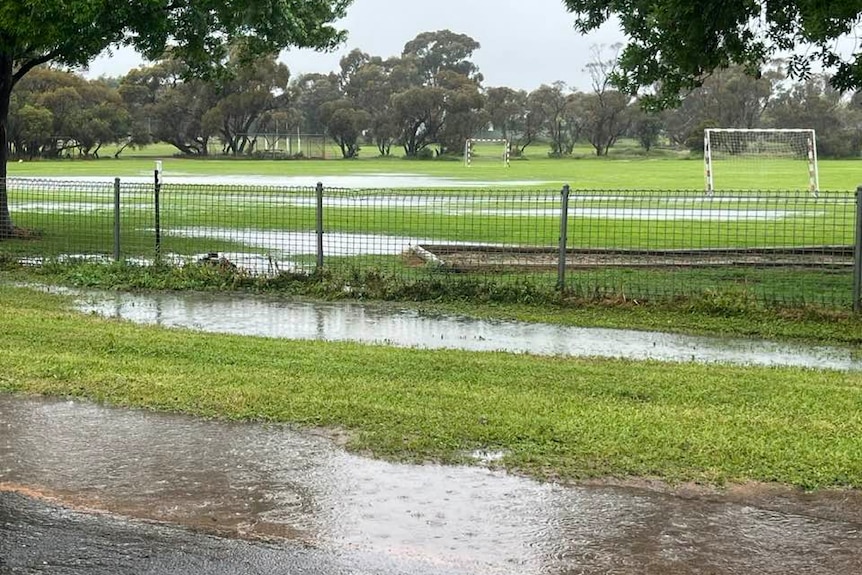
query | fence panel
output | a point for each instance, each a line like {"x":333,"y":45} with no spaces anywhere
{"x":775,"y":247}
{"x":789,"y":248}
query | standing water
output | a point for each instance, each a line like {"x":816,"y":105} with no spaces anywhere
{"x":257,"y":481}
{"x":376,"y":324}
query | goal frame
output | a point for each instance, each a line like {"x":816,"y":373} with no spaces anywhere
{"x":468,"y":149}
{"x":811,"y":144}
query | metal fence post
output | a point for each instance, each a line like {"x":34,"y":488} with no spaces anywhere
{"x":157,"y":185}
{"x":564,"y":233}
{"x":319,"y":226}
{"x":857,"y":260}
{"x":116,"y":219}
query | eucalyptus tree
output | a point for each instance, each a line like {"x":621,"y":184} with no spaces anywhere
{"x":251,"y":89}
{"x":369,"y":83}
{"x":607,"y":112}
{"x":506,"y":108}
{"x":419,"y":113}
{"x":728,"y":98}
{"x":441,"y":51}
{"x":345,"y":124}
{"x":54,"y":112}
{"x":815,"y":104}
{"x":464,"y":112}
{"x":169,"y":105}
{"x":73,"y":32}
{"x":311,"y":93}
{"x":548,"y":109}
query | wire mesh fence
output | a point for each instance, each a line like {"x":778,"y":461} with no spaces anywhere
{"x":788,"y":248}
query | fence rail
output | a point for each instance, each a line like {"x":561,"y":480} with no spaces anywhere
{"x":777,"y":247}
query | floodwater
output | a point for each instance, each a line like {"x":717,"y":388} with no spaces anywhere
{"x":301,"y":489}
{"x":389,"y":325}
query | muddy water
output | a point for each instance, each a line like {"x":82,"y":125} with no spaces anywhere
{"x":251,"y":480}
{"x":409,"y":328}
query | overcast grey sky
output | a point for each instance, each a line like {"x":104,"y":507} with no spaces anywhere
{"x":525,"y":43}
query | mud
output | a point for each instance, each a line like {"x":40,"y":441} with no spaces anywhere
{"x":271,"y":483}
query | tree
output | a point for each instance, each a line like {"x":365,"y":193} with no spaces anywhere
{"x":547,"y":108}
{"x":370,"y":84}
{"x":345,"y":124}
{"x":727,"y":99}
{"x":253,"y":89}
{"x":506,"y":108}
{"x":675,"y":45}
{"x":606,"y":112}
{"x":419,"y":113}
{"x":84,"y":115}
{"x":647,"y":128}
{"x":464,"y":113}
{"x":312,"y":92}
{"x":441,"y":51}
{"x":816,"y":105}
{"x":73,"y":32}
{"x":169,"y":105}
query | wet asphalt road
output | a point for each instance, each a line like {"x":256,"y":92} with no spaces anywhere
{"x":38,"y":538}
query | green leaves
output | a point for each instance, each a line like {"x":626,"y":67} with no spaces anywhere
{"x":675,"y":44}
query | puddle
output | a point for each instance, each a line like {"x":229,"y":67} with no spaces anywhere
{"x":251,"y":480}
{"x":298,"y":243}
{"x":381,"y":324}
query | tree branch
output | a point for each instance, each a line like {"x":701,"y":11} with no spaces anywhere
{"x":32,"y":63}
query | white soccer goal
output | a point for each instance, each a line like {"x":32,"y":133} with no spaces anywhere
{"x":767,"y":159}
{"x":494,"y":149}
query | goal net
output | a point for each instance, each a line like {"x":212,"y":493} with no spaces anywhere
{"x":487,"y":149}
{"x":738,"y":159}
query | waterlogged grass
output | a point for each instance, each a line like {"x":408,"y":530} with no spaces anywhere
{"x":719,"y":304}
{"x":583,"y":172}
{"x":553,"y":417}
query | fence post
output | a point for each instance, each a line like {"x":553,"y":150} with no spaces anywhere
{"x":564,"y":233}
{"x":116,"y":219}
{"x":157,"y":185}
{"x":319,"y":226}
{"x":857,"y":260}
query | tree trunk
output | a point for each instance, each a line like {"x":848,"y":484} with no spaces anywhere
{"x":6,"y":227}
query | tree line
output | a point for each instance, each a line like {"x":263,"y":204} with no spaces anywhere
{"x":424,"y":103}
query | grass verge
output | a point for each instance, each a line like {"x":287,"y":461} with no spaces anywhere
{"x":553,"y":417}
{"x":731,"y":311}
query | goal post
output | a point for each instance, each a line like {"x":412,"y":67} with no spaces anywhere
{"x":760,"y":159}
{"x":496,"y":149}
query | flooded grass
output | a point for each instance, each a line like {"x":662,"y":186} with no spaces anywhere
{"x":552,"y":417}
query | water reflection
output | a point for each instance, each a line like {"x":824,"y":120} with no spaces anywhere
{"x":368,"y":323}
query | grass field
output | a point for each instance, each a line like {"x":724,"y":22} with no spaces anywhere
{"x":582,"y":172}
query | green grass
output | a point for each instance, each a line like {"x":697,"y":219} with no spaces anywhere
{"x":657,"y":172}
{"x":553,"y":417}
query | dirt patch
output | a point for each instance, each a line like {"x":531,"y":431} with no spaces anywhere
{"x":468,"y":257}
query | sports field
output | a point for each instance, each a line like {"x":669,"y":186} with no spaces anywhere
{"x":409,"y":219}
{"x":662,"y":171}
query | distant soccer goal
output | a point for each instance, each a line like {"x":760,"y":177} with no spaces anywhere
{"x":739,"y":159}
{"x":495,"y":150}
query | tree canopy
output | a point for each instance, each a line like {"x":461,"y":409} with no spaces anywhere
{"x":675,"y":44}
{"x":200,"y":33}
